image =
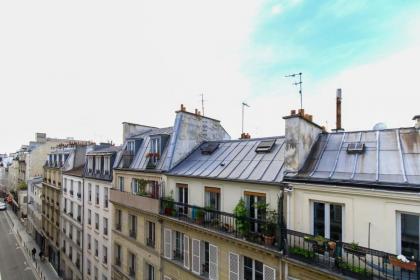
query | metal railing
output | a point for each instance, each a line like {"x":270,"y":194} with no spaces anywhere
{"x":348,"y":258}
{"x":244,"y":227}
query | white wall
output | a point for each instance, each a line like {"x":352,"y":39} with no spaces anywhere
{"x":361,"y":206}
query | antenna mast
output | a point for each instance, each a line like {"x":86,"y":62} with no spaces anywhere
{"x":202,"y":103}
{"x":298,"y":83}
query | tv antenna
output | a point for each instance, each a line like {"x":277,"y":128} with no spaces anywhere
{"x":297,"y":83}
{"x":243,"y":109}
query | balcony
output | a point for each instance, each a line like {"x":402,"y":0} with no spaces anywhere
{"x":135,"y":201}
{"x":243,"y":228}
{"x":133,"y":234}
{"x":347,"y":259}
{"x":150,"y":242}
{"x":99,"y":174}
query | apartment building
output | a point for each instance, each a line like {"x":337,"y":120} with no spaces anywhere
{"x":72,"y":224}
{"x":139,"y":183}
{"x":63,"y":158}
{"x":221,"y":217}
{"x":98,"y":173}
{"x":354,"y":205}
{"x":34,"y":225}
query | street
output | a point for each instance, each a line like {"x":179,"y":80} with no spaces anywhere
{"x":13,"y":264}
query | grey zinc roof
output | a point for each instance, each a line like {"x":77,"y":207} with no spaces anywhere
{"x":105,"y":150}
{"x":236,"y":160}
{"x":391,"y":157}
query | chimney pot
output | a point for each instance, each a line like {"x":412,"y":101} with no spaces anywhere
{"x":338,"y":110}
{"x":293,"y":112}
{"x":417,"y":119}
{"x":302,"y":112}
{"x":183,"y":108}
{"x":196,"y":111}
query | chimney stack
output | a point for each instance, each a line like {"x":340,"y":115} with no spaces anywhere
{"x":417,"y":119}
{"x":338,"y":110}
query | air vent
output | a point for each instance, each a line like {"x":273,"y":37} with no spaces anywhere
{"x":265,"y":146}
{"x":356,"y":148}
{"x":209,"y":148}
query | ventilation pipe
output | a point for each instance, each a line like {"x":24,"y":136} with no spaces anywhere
{"x":338,"y":127}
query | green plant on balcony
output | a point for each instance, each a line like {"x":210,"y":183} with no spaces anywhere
{"x":353,"y":269}
{"x":22,"y":186}
{"x":302,"y":252}
{"x":168,"y":204}
{"x":241,"y":215}
{"x":354,"y":249}
{"x":318,"y":243}
{"x":199,"y":215}
{"x":269,"y":227}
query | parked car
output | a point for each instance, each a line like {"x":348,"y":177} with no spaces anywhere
{"x":2,"y":206}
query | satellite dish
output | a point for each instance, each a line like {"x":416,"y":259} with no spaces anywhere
{"x":380,"y":126}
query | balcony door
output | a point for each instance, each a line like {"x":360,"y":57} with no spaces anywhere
{"x":328,"y":220}
{"x":182,"y":190}
{"x":212,"y":201}
{"x":409,"y":235}
{"x":254,"y":201}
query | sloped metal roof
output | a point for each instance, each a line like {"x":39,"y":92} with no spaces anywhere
{"x":235,"y":160}
{"x":140,"y":159}
{"x":391,"y":157}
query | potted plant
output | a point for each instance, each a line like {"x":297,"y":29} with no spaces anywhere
{"x":354,"y":249}
{"x":269,"y":227}
{"x":199,"y":216}
{"x":241,"y":213}
{"x":318,"y":243}
{"x":168,"y":205}
{"x":402,"y":262}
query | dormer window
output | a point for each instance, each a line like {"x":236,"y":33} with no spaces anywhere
{"x":107,"y":163}
{"x":131,"y":145}
{"x":97,"y":164}
{"x":155,"y":149}
{"x":265,"y":146}
{"x":90,"y":164}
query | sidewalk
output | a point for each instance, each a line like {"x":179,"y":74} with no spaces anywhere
{"x":43,"y":270}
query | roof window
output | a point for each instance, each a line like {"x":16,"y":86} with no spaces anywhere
{"x":265,"y":146}
{"x":356,"y":148}
{"x":209,"y":148}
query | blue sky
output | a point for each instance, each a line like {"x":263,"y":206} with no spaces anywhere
{"x":321,"y":40}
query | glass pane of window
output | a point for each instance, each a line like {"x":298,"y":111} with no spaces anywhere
{"x":319,"y":218}
{"x":248,"y":268}
{"x":410,"y":236}
{"x":335,"y":222}
{"x":258,"y":270}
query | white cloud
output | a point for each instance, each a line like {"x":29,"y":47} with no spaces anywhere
{"x":277,"y":9}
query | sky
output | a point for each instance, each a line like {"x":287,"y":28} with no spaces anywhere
{"x":81,"y":68}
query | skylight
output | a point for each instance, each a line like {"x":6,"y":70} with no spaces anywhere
{"x":265,"y":146}
{"x":356,"y":148}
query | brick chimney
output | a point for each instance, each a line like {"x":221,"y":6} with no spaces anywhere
{"x":338,"y":126}
{"x":301,"y":134}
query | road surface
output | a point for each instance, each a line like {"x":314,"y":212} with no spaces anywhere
{"x":13,"y":265}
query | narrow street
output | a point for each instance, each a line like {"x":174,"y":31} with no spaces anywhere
{"x":13,"y":263}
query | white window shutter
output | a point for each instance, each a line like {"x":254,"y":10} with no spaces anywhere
{"x":196,"y":263}
{"x":269,"y":273}
{"x":213,"y":262}
{"x":167,"y":249}
{"x":186,"y":252}
{"x":233,"y":266}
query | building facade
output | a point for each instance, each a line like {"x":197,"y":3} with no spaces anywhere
{"x":98,"y":212}
{"x":35,"y":210}
{"x":139,"y":183}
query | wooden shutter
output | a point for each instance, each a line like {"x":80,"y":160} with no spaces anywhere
{"x":167,"y":249}
{"x":233,"y":266}
{"x":269,"y":273}
{"x":186,"y":252}
{"x":213,"y":262}
{"x":196,"y":263}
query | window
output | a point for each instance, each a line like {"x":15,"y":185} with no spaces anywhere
{"x":105,"y":226}
{"x":212,"y":201}
{"x":104,"y":277}
{"x":89,"y":217}
{"x":89,"y":240}
{"x":121,"y":183}
{"x":133,"y":225}
{"x":155,"y":149}
{"x":132,"y":264}
{"x":90,"y":192}
{"x":65,"y":205}
{"x":79,"y":213}
{"x":96,"y":221}
{"x":65,"y":184}
{"x":410,"y":236}
{"x":131,"y":146}
{"x":78,"y":237}
{"x":178,"y":253}
{"x":106,"y":164}
{"x":97,"y":194}
{"x":88,"y":264}
{"x":150,"y":234}
{"x":90,"y":164}
{"x":79,"y":190}
{"x":71,"y":187}
{"x":118,"y":214}
{"x":106,"y":197}
{"x":252,"y":269}
{"x":182,"y":197}
{"x":327,"y":220}
{"x":117,"y":255}
{"x":96,"y":273}
{"x":252,"y":201}
{"x":96,"y":248}
{"x":150,"y":272}
{"x":71,"y":208}
{"x":98,"y":164}
{"x":105,"y":254}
